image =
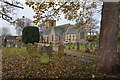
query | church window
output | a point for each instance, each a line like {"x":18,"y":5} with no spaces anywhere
{"x":82,"y":35}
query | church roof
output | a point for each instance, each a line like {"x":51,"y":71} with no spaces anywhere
{"x":59,"y":30}
{"x":46,"y":31}
{"x":72,"y":30}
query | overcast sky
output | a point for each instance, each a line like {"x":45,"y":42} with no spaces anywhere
{"x":28,"y":12}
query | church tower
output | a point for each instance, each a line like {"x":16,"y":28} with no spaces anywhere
{"x":49,"y":24}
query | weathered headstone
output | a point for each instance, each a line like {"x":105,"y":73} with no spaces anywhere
{"x":29,"y":48}
{"x":96,"y":47}
{"x":8,"y":45}
{"x":69,"y":46}
{"x":86,"y":45}
{"x":18,"y":44}
{"x":49,"y":51}
{"x":44,"y":49}
{"x":34,"y":48}
{"x":5,"y":42}
{"x":78,"y":46}
{"x":13,"y":44}
{"x":23,"y":44}
{"x":87,"y":50}
{"x":73,"y":47}
{"x":44,"y":57}
{"x":39,"y":49}
{"x":61,"y":50}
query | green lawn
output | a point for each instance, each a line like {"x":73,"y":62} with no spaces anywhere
{"x":17,"y":63}
{"x":82,"y":49}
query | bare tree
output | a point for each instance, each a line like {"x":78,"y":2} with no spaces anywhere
{"x":7,"y":8}
{"x":20,"y":23}
{"x":5,"y":31}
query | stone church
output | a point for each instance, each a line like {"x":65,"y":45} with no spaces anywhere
{"x":66,"y":32}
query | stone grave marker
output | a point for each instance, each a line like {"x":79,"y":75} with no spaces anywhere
{"x":44,"y":57}
{"x":34,"y":48}
{"x":87,"y":47}
{"x":13,"y":44}
{"x":87,"y":50}
{"x":69,"y":46}
{"x":39,"y":49}
{"x":73,"y":47}
{"x":18,"y":44}
{"x":78,"y":46}
{"x":49,"y":51}
{"x":29,"y":48}
{"x":96,"y":47}
{"x":8,"y":45}
{"x":61,"y":50}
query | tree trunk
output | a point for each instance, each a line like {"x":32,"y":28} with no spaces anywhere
{"x":108,"y":38}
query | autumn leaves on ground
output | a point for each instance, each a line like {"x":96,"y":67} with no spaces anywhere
{"x":17,"y":63}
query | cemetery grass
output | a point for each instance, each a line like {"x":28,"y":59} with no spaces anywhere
{"x":17,"y":63}
{"x":82,"y":49}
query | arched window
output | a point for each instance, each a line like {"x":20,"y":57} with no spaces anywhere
{"x":82,"y":35}
{"x":52,"y":37}
{"x":67,"y":37}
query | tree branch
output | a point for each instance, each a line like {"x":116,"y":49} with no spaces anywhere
{"x":5,"y":15}
{"x":13,"y":5}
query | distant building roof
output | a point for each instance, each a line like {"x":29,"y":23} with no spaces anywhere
{"x":10,"y":38}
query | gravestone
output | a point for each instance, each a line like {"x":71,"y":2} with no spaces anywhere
{"x":13,"y":44}
{"x":73,"y":47}
{"x":44,"y":57}
{"x":61,"y":50}
{"x":34,"y":48}
{"x":49,"y":51}
{"x":39,"y":49}
{"x":69,"y":46}
{"x":87,"y":45}
{"x":29,"y":48}
{"x":87,"y":50}
{"x":44,"y":49}
{"x":18,"y":44}
{"x":8,"y":45}
{"x":96,"y":47}
{"x":78,"y":46}
{"x":4,"y":41}
{"x":23,"y":44}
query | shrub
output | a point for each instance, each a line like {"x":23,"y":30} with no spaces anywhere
{"x":30,"y":34}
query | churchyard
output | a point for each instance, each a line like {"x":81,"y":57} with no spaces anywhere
{"x":86,"y":48}
{"x":45,"y":61}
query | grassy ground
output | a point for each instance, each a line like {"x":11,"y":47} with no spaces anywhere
{"x":82,"y":49}
{"x":17,"y":63}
